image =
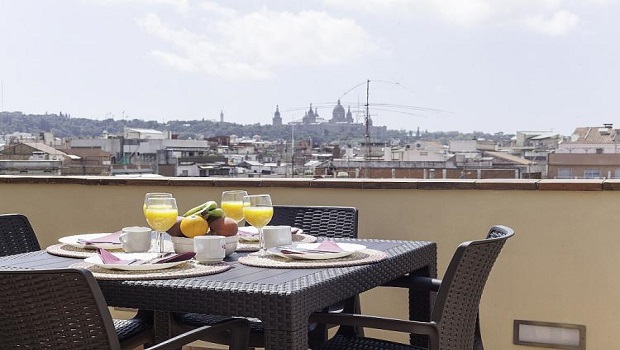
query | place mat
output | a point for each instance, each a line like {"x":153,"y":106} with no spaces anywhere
{"x":366,"y":256}
{"x":190,"y":269}
{"x":69,"y":251}
{"x":244,"y":246}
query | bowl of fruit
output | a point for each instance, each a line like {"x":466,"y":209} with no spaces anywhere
{"x":205,"y":219}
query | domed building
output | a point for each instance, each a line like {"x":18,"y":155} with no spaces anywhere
{"x":310,"y":116}
{"x":338,"y":114}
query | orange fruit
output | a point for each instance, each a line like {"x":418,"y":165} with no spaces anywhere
{"x":194,"y":225}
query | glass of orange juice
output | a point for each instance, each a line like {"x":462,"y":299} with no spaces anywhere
{"x":161,"y":214}
{"x":232,"y":204}
{"x":152,"y":195}
{"x":258,"y":211}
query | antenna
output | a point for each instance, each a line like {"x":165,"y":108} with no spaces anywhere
{"x":367,"y":128}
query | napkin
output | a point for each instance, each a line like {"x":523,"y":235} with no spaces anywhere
{"x":109,"y":238}
{"x":324,"y":247}
{"x":109,"y":258}
{"x":247,"y":231}
{"x":329,"y":246}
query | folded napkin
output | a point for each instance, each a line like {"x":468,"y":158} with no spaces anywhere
{"x":109,"y":258}
{"x":112,"y":238}
{"x":247,"y":231}
{"x":324,"y":247}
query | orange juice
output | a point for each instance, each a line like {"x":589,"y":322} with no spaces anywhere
{"x":257,"y":216}
{"x":161,"y":217}
{"x":233,"y":210}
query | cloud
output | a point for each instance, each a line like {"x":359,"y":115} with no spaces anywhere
{"x":558,"y":24}
{"x":469,"y":13}
{"x":253,"y":45}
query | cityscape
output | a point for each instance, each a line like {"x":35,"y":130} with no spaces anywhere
{"x":317,"y":146}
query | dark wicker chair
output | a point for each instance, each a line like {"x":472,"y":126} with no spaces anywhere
{"x":454,"y":315}
{"x":65,"y":309}
{"x":17,"y":236}
{"x":320,"y":221}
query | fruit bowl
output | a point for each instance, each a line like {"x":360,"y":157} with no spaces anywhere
{"x":184,"y":244}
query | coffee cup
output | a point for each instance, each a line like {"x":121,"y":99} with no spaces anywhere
{"x":209,"y":249}
{"x":276,"y":236}
{"x":135,"y":239}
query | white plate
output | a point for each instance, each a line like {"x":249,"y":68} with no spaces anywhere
{"x":348,"y":249}
{"x":96,"y":260}
{"x":73,"y":241}
{"x":254,"y":231}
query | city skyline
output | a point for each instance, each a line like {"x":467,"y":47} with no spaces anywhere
{"x":468,"y":65}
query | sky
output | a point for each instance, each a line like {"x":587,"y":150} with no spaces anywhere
{"x":441,"y":65}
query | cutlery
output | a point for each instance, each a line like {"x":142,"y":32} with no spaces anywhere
{"x":150,"y":261}
{"x":304,"y":250}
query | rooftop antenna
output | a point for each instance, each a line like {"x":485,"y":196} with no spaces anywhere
{"x":367,"y":128}
{"x":2,"y":96}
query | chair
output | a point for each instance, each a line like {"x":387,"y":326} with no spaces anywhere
{"x":452,"y":324}
{"x":17,"y":236}
{"x":320,"y":221}
{"x":65,"y":309}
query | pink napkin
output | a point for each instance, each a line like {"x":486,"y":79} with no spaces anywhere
{"x":247,"y":231}
{"x":330,"y":246}
{"x":109,"y":238}
{"x":109,"y":258}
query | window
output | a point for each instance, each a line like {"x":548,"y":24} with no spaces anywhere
{"x":599,"y":151}
{"x":565,"y":173}
{"x":617,"y":173}
{"x":592,"y":173}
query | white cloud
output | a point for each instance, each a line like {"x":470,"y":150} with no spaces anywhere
{"x":472,"y":12}
{"x":252,"y":45}
{"x":558,"y":24}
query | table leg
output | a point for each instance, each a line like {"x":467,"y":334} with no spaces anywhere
{"x":162,"y":326}
{"x":287,"y":340}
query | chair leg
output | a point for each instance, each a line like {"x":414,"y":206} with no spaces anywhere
{"x":478,"y":345}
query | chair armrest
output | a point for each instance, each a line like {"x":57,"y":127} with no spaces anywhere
{"x":416,"y":282}
{"x":239,"y":335}
{"x":392,"y":324}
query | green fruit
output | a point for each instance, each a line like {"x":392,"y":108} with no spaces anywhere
{"x":206,"y":205}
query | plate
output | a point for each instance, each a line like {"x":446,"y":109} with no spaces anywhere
{"x":96,"y":260}
{"x":254,"y":231}
{"x":73,"y":241}
{"x":348,"y":249}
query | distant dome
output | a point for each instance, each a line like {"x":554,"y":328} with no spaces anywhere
{"x":338,"y":115}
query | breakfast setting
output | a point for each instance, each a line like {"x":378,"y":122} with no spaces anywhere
{"x":203,"y":240}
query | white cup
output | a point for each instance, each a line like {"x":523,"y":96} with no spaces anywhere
{"x":136,"y":239}
{"x":209,"y":249}
{"x":277,"y":236}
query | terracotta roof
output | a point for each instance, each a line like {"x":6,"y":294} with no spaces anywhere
{"x":593,"y":135}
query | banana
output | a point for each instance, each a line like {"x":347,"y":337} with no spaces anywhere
{"x":206,"y":205}
{"x":216,"y":213}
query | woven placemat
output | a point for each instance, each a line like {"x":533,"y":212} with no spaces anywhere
{"x":69,"y":251}
{"x":190,"y":269}
{"x":366,"y":256}
{"x":245,"y":246}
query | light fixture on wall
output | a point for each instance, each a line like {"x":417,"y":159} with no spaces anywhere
{"x":549,"y":335}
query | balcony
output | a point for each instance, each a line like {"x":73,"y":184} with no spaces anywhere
{"x":560,"y":266}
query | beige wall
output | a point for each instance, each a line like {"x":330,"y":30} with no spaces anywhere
{"x":561,"y":266}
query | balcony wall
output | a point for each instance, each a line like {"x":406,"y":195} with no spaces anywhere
{"x":561,"y":266}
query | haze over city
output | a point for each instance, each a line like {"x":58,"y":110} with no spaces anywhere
{"x":464,"y":65}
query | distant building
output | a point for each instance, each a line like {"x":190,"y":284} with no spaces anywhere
{"x":589,"y":153}
{"x":277,"y":119}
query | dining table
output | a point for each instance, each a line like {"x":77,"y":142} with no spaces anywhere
{"x":281,"y":297}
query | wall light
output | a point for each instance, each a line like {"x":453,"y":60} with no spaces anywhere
{"x":549,"y":335}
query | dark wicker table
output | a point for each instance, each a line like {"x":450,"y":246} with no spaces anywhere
{"x":282,"y":298}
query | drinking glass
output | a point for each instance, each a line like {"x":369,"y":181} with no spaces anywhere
{"x":152,"y":195}
{"x":258,"y":211}
{"x":232,"y":204}
{"x":161,"y":214}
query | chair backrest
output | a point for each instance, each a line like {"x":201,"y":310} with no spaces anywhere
{"x":323,"y":221}
{"x":54,"y":309}
{"x":458,"y":299}
{"x":16,"y":235}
